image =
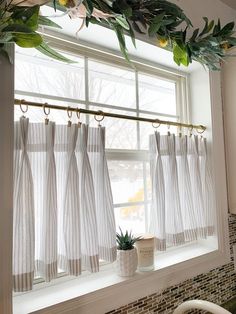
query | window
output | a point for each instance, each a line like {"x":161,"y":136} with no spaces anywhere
{"x":176,"y":264}
{"x":97,"y":85}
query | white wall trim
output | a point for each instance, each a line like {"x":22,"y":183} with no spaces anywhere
{"x":219,"y":165}
{"x":6,"y":180}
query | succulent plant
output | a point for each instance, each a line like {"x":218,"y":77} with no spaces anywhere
{"x":125,"y":241}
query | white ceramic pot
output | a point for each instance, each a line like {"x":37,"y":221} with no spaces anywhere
{"x":127,"y":262}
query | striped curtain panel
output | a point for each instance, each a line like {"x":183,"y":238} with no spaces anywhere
{"x":23,"y":214}
{"x":63,"y":207}
{"x":103,"y":194}
{"x":182,"y":207}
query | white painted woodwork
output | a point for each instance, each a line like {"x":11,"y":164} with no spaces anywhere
{"x":6,"y":182}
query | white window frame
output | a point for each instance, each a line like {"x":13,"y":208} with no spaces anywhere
{"x":123,"y":291}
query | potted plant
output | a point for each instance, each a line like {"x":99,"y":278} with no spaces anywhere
{"x":127,"y":259}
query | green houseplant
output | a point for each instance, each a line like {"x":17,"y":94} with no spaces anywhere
{"x":127,"y":259}
{"x":161,"y":20}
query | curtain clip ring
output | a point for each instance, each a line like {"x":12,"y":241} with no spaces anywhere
{"x":156,"y":124}
{"x":69,"y":114}
{"x":46,"y":112}
{"x":78,"y":116}
{"x":22,"y":101}
{"x":99,"y":117}
{"x":180,"y":130}
{"x":200,"y":129}
{"x":191,"y":130}
{"x":168,"y":128}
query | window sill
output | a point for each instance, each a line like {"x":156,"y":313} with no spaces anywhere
{"x":89,"y":291}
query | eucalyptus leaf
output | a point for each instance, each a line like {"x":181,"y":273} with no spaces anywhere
{"x":42,"y":20}
{"x":27,"y":16}
{"x":31,"y":40}
{"x":122,"y":21}
{"x":17,"y":28}
{"x":51,"y":53}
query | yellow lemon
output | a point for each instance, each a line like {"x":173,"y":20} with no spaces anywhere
{"x":225,"y":46}
{"x":63,"y":2}
{"x":163,"y":42}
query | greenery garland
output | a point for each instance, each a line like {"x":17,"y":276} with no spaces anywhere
{"x":160,"y":19}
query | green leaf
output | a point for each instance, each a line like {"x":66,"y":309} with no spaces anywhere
{"x":132,"y":35}
{"x":121,"y":38}
{"x":123,"y":22}
{"x":227,"y":29}
{"x":210,"y":26}
{"x":16,"y":28}
{"x":180,"y":55}
{"x":232,"y":41}
{"x":194,"y":36}
{"x":204,"y":31}
{"x":31,"y":40}
{"x":27,"y":16}
{"x":128,"y":12}
{"x":42,"y":20}
{"x":156,"y":24}
{"x":89,"y":6}
{"x":48,"y":51}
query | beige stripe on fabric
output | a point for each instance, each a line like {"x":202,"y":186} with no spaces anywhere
{"x":23,"y":282}
{"x":74,"y":267}
{"x":160,"y":244}
{"x":49,"y":270}
{"x":175,"y":239}
{"x":91,"y":263}
{"x":109,"y":253}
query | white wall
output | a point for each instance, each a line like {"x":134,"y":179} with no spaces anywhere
{"x":213,"y":9}
{"x":229,"y":106}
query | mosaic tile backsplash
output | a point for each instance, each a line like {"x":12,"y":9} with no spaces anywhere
{"x":218,"y":286}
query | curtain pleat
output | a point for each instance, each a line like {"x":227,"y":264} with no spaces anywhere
{"x":182,"y":207}
{"x":42,"y":160}
{"x":89,"y":229}
{"x":63,"y":207}
{"x":71,"y":208}
{"x":49,"y":243}
{"x":207,"y":187}
{"x":23,"y":212}
{"x":185,"y":191}
{"x":196,"y":185}
{"x":174,"y":222}
{"x":103,"y":194}
{"x":157,"y":218}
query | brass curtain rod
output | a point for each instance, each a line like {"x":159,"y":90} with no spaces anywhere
{"x":199,"y":128}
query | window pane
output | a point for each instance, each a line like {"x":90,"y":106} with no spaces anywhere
{"x":39,"y":74}
{"x":130,"y":218}
{"x":111,"y":85}
{"x":120,"y":133}
{"x":126,"y":181}
{"x":156,"y":95}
